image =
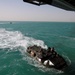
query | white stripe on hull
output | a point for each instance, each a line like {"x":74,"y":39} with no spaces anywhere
{"x":48,"y":62}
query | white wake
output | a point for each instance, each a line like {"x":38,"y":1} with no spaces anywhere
{"x":15,"y":39}
{"x":12,"y":39}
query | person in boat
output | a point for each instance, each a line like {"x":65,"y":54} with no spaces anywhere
{"x":48,"y":57}
{"x":33,"y":54}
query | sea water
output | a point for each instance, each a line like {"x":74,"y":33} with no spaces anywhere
{"x":15,"y":37}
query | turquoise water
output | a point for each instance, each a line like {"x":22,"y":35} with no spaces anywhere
{"x":16,"y":37}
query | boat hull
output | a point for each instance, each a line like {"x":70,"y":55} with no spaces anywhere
{"x":47,"y":57}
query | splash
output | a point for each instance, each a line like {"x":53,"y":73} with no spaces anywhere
{"x":13,"y":39}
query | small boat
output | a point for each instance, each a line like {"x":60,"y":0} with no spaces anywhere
{"x":47,"y":57}
{"x":10,"y":22}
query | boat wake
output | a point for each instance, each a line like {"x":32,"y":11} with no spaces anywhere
{"x":15,"y":39}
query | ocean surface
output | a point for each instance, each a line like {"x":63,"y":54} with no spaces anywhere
{"x":15,"y":37}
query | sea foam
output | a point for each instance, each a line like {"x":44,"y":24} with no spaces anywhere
{"x":12,"y":39}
